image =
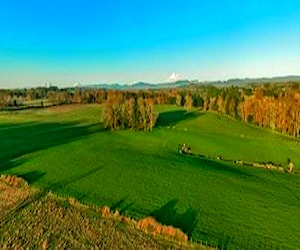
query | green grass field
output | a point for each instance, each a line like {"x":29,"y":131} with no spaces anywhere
{"x":66,"y":149}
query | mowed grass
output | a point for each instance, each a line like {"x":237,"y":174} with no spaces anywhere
{"x":66,"y":149}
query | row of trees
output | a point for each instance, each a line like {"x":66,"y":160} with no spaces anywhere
{"x":55,"y":96}
{"x":129,"y":112}
{"x":273,"y":106}
{"x":281,"y":113}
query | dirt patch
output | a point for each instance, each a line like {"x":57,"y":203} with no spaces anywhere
{"x":13,"y":191}
{"x":50,"y":221}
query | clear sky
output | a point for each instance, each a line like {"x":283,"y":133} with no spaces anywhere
{"x":85,"y":41}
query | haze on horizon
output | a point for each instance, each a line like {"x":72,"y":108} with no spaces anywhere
{"x":66,"y":42}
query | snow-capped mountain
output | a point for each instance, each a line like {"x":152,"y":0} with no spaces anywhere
{"x":174,"y":77}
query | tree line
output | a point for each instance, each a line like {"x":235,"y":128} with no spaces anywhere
{"x":55,"y":96}
{"x":275,"y":107}
{"x":272,"y":106}
{"x":281,"y":113}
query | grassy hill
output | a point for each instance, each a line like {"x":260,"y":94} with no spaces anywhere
{"x":67,"y":150}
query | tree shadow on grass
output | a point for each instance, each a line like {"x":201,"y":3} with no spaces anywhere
{"x":10,"y":164}
{"x":219,"y":166}
{"x":20,"y":142}
{"x":63,"y":183}
{"x":168,"y":215}
{"x":171,"y":118}
{"x":118,"y":204}
{"x":122,"y":206}
{"x":32,"y":176}
{"x":225,"y":167}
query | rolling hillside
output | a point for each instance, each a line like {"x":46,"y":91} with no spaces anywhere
{"x":67,"y":150}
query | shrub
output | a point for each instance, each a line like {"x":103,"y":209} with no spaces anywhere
{"x":150,"y":225}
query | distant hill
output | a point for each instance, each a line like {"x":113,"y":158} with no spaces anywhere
{"x":115,"y":86}
{"x":141,"y":85}
{"x":263,"y":80}
{"x":183,"y":83}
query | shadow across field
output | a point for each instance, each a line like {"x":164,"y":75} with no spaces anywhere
{"x":122,"y":206}
{"x":218,"y":166}
{"x":20,"y":142}
{"x":171,"y":118}
{"x":168,"y":215}
{"x":32,"y":176}
{"x":56,"y":186}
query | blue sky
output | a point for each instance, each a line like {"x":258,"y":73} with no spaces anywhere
{"x":66,"y":42}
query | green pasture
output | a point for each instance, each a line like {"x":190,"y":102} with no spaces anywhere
{"x":66,"y":149}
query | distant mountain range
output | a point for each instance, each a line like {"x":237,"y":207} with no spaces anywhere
{"x":263,"y":80}
{"x":141,"y":85}
{"x":182,"y":83}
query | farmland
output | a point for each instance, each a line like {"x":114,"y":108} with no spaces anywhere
{"x":32,"y":218}
{"x":66,"y":149}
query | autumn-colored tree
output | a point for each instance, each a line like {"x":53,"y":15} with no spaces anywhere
{"x":134,"y":113}
{"x":30,"y":94}
{"x":178,"y":100}
{"x":279,"y":112}
{"x":142,"y":115}
{"x":151,"y":115}
{"x":77,"y":97}
{"x":51,"y":97}
{"x":188,"y":101}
